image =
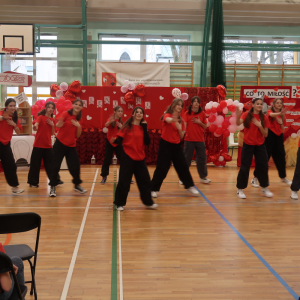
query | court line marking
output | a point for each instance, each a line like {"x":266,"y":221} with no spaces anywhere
{"x":266,"y":264}
{"x":73,"y":260}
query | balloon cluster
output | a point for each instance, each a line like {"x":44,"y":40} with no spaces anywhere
{"x":219,"y":159}
{"x":131,"y":91}
{"x":62,"y":104}
{"x":70,"y":92}
{"x":219,"y":125}
{"x":176,"y":93}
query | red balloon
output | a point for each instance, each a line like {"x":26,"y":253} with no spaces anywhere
{"x":226,"y":132}
{"x":69,"y":95}
{"x":221,"y":90}
{"x":227,"y":157}
{"x":219,"y":131}
{"x":223,"y":104}
{"x":225,"y":125}
{"x":53,"y":89}
{"x":213,"y":158}
{"x":212,"y":127}
{"x":223,"y":163}
{"x":208,"y":111}
{"x":220,"y":109}
{"x":217,"y":163}
{"x":139,"y":90}
{"x":214,"y":110}
{"x":49,"y":100}
{"x":212,"y":118}
{"x":60,"y":108}
{"x":231,"y":108}
{"x":75,"y":88}
{"x":129,"y":97}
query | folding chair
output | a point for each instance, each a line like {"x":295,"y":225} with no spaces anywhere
{"x":22,"y":222}
{"x":232,"y":144}
{"x":6,"y":265}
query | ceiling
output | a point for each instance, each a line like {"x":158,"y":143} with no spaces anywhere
{"x":236,"y":12}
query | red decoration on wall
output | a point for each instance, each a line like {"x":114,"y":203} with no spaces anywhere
{"x":139,"y":90}
{"x":129,"y":97}
{"x":75,"y":87}
{"x":53,"y":89}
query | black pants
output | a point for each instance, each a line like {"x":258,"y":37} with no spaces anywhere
{"x":296,"y":179}
{"x":167,"y":153}
{"x":37,"y":155}
{"x":109,"y":151}
{"x":9,"y":164}
{"x":128,"y":167}
{"x":261,"y":165}
{"x":275,"y":148}
{"x":59,"y":152}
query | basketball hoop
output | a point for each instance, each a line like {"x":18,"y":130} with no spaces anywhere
{"x":10,"y":53}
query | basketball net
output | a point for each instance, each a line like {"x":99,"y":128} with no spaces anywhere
{"x":10,"y":53}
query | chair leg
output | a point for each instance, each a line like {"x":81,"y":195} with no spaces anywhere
{"x":33,"y":286}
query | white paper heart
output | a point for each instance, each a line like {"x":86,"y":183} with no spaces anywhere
{"x":161,"y":98}
{"x":114,"y":92}
{"x":125,"y":115}
{"x":147,"y":116}
{"x":83,"y":91}
{"x":105,"y":108}
{"x":89,"y":117}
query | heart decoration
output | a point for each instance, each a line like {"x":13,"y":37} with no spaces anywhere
{"x":266,"y":97}
{"x":276,"y":89}
{"x":296,"y":125}
{"x":114,"y":92}
{"x":297,"y":96}
{"x":147,"y":116}
{"x":292,"y":116}
{"x":83,"y":91}
{"x":125,"y":115}
{"x":289,"y":103}
{"x":161,"y":98}
{"x":254,"y":91}
{"x":244,"y":96}
{"x":89,"y":117}
{"x":105,"y":108}
{"x":298,"y":87}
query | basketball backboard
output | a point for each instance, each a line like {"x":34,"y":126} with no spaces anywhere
{"x":17,"y":36}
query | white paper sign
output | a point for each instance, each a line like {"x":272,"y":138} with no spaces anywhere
{"x":91,"y":100}
{"x":13,"y":79}
{"x":106,"y":100}
{"x":123,"y":100}
{"x":21,"y":98}
{"x":115,"y":103}
{"x":138,"y":100}
{"x":147,"y":105}
{"x":84,"y":103}
{"x":99,"y":103}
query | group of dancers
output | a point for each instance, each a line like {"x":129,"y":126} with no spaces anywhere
{"x":128,"y":141}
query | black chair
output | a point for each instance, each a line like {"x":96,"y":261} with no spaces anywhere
{"x":6,"y":265}
{"x":22,"y":222}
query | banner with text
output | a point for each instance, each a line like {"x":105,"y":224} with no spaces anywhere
{"x":149,"y":74}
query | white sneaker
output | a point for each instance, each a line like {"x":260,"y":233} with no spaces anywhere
{"x":294,"y":195}
{"x":52,"y":191}
{"x":240,"y":194}
{"x":180,"y":182}
{"x":193,"y":191}
{"x":286,"y":181}
{"x":205,"y":180}
{"x":255,"y":182}
{"x":266,"y":192}
{"x":153,"y":194}
{"x":120,"y":208}
{"x":153,"y":206}
{"x":17,"y":190}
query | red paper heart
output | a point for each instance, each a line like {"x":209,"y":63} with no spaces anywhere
{"x":289,"y":103}
{"x":297,"y":96}
{"x":244,"y":96}
{"x":266,"y":97}
{"x":298,"y":87}
{"x":285,"y":98}
{"x":292,"y":116}
{"x":254,"y":91}
{"x":296,"y":125}
{"x":276,"y":89}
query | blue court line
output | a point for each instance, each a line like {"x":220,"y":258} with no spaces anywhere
{"x":278,"y":277}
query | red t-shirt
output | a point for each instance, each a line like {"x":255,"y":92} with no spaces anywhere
{"x":273,"y":124}
{"x":6,"y":131}
{"x":133,"y":142}
{"x":252,"y":135}
{"x":67,"y":134}
{"x":194,"y":132}
{"x":112,"y":132}
{"x":169,"y":131}
{"x":43,"y":134}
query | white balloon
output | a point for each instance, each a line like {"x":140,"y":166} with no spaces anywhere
{"x":176,"y":93}
{"x":209,"y":105}
{"x":233,"y":114}
{"x":131,"y":86}
{"x":215,"y":104}
{"x":105,"y":130}
{"x":219,"y":120}
{"x":126,"y":83}
{"x":232,"y":120}
{"x":229,"y":102}
{"x":63,"y":86}
{"x":241,"y":106}
{"x":221,"y":158}
{"x":225,"y":111}
{"x":236,"y":102}
{"x":294,"y":135}
{"x":232,"y":128}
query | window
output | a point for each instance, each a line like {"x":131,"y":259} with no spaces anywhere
{"x":238,"y":56}
{"x":149,"y":53}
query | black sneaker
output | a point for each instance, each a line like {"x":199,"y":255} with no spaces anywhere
{"x":60,"y":182}
{"x":34,"y":185}
{"x":78,"y":188}
{"x":103,"y":180}
{"x":52,"y":192}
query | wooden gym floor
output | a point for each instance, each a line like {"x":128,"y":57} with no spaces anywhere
{"x":215,"y":246}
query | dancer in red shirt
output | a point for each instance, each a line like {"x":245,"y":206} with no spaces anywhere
{"x":195,"y":119}
{"x":170,"y":150}
{"x":256,"y":129}
{"x":113,"y":124}
{"x":134,"y":136}
{"x":65,"y":146}
{"x":42,"y":147}
{"x":274,"y":141}
{"x":9,"y":122}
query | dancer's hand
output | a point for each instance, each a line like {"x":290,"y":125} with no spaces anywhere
{"x":256,"y":122}
{"x":196,"y":121}
{"x":178,"y":125}
{"x":119,"y":125}
{"x":283,"y":111}
{"x":144,"y":122}
{"x":50,"y":122}
{"x":11,"y":123}
{"x":112,"y":140}
{"x":279,"y":121}
{"x":75,"y":123}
